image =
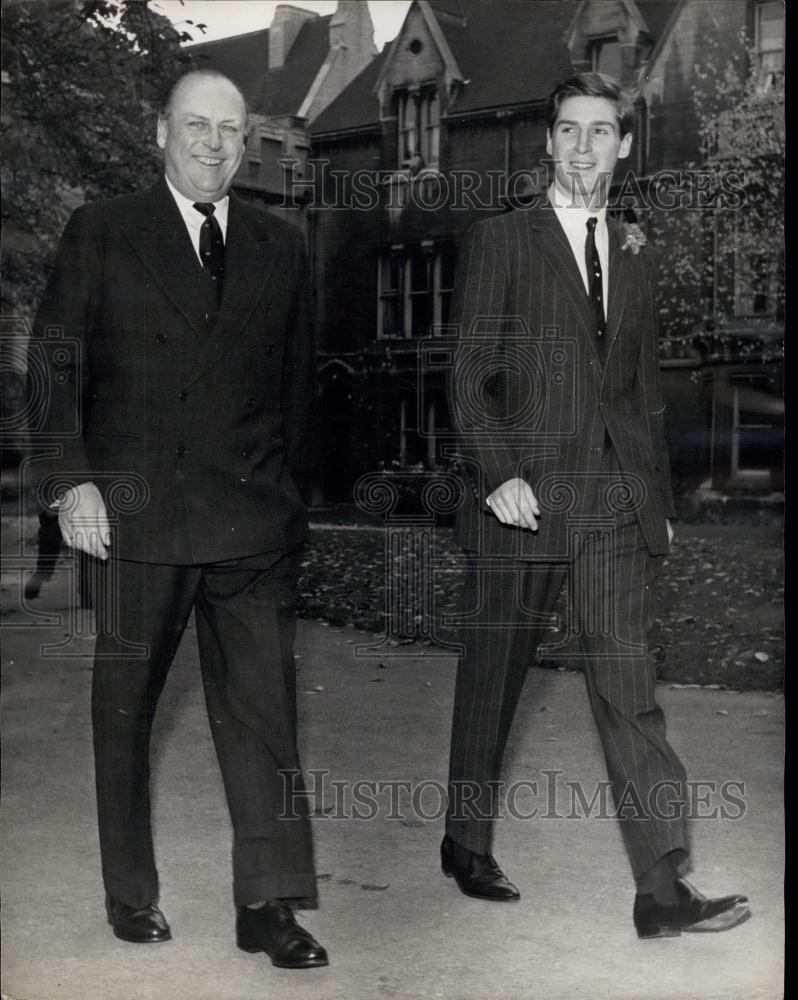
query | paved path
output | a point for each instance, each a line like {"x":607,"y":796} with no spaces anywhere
{"x":395,"y":928}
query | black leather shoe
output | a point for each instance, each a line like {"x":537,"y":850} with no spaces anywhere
{"x":693,"y":912}
{"x":273,"y":929}
{"x":476,"y":875}
{"x":145,"y":925}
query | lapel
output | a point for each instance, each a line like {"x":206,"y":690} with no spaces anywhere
{"x":560,"y":257}
{"x":619,"y":279}
{"x":160,"y":239}
{"x":249,"y":258}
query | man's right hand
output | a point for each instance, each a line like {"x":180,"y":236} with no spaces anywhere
{"x":514,"y":503}
{"x":83,"y":520}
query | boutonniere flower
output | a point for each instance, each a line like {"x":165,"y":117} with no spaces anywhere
{"x":634,"y":238}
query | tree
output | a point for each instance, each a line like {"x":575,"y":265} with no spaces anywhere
{"x":82,"y":82}
{"x":726,"y":241}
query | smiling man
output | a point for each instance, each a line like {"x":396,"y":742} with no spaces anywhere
{"x":555,"y":395}
{"x":186,"y":484}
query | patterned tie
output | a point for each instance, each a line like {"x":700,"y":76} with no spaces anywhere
{"x":211,"y":244}
{"x":594,"y":279}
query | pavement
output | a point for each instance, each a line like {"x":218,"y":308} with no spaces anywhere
{"x":394,"y":927}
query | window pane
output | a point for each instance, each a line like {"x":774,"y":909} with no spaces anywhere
{"x":771,"y":25}
{"x":422,"y":315}
{"x":446,"y":301}
{"x":419,"y":274}
{"x":391,"y":317}
{"x":607,"y":58}
{"x":447,"y":269}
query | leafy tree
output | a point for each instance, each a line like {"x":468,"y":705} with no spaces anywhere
{"x":726,"y":243}
{"x":82,"y":80}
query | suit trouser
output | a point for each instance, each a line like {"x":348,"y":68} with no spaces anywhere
{"x":245,"y":632}
{"x":609,"y":586}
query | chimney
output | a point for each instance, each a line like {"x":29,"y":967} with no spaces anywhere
{"x":283,"y":30}
{"x":351,"y":25}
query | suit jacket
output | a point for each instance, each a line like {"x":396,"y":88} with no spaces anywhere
{"x":193,"y":419}
{"x":534,"y":396}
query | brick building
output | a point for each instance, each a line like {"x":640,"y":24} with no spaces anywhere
{"x":445,"y":126}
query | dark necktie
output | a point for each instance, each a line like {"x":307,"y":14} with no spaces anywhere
{"x":211,"y":244}
{"x":594,"y":279}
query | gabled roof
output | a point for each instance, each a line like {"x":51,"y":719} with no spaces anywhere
{"x":509,"y":52}
{"x":245,"y":59}
{"x":356,"y":106}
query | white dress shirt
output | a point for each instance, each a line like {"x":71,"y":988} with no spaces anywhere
{"x":573,"y":218}
{"x":194,"y":219}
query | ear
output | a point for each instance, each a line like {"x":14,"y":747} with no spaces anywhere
{"x":549,"y":151}
{"x":162,"y":132}
{"x":625,"y":146}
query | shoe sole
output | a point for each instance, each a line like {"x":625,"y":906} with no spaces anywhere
{"x":313,"y":963}
{"x":722,"y":922}
{"x":714,"y":925}
{"x":149,"y":940}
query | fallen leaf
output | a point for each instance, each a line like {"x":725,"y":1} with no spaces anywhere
{"x":371,"y":887}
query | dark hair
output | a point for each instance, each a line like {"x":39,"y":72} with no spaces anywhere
{"x":167,"y":106}
{"x":592,"y":85}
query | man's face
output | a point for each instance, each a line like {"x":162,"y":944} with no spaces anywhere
{"x":586,"y":144}
{"x":203,"y":138}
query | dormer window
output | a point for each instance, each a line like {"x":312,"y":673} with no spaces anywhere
{"x":418,"y":118}
{"x":605,"y":56}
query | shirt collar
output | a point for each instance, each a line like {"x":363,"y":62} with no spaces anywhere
{"x":574,"y":217}
{"x":187,"y":210}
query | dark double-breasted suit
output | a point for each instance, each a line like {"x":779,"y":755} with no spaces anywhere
{"x":536,"y":394}
{"x":193,"y":417}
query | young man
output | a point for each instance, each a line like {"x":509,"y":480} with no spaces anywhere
{"x":556,"y":398}
{"x":185,"y":483}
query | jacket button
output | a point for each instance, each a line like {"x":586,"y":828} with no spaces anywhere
{"x":183,"y":396}
{"x":246,"y":454}
{"x":160,"y":338}
{"x":180,"y":451}
{"x":251,"y":402}
{"x":269,"y":348}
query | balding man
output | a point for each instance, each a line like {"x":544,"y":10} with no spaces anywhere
{"x":187,"y":484}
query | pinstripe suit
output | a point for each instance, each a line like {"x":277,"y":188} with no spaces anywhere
{"x":536,"y":395}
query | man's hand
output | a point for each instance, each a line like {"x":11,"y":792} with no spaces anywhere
{"x":514,"y":503}
{"x":83,"y":520}
{"x":670,"y":531}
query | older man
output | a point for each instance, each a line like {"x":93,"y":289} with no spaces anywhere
{"x":186,"y":484}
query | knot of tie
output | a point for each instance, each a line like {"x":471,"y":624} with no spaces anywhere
{"x":592,"y":222}
{"x":206,"y":208}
